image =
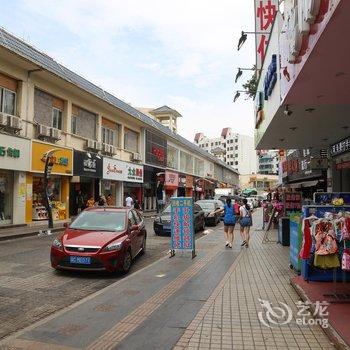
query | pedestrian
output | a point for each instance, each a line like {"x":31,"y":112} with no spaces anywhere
{"x":137,"y":205}
{"x":102,"y":201}
{"x":229,"y":222}
{"x":109,"y":200}
{"x":90,"y":202}
{"x":245,"y":220}
{"x":79,"y":200}
{"x":129,"y":202}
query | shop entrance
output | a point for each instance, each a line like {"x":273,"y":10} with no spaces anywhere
{"x":6,"y":196}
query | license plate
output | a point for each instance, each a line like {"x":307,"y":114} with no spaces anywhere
{"x":85,"y":260}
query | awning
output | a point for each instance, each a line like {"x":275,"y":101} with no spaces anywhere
{"x":304,"y":184}
{"x":249,"y":192}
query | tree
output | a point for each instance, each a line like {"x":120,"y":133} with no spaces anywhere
{"x":251,"y":84}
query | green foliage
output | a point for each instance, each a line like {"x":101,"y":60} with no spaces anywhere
{"x":251,"y":84}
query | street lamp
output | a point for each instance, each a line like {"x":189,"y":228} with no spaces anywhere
{"x":243,"y":38}
{"x":238,"y":93}
{"x":240,"y":72}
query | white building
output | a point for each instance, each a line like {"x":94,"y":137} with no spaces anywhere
{"x":234,"y":149}
{"x":268,"y":162}
{"x":164,"y":115}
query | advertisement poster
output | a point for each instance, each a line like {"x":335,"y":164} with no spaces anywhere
{"x":182,"y":232}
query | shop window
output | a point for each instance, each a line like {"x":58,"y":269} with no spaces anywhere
{"x":108,"y":136}
{"x":74,"y":124}
{"x":7,"y":101}
{"x":172,"y":157}
{"x":6,"y":194}
{"x":56,"y":118}
{"x":131,"y":140}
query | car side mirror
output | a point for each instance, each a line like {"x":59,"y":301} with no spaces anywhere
{"x":66,"y":224}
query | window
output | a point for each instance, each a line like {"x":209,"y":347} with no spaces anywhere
{"x":108,"y":136}
{"x":236,"y":162}
{"x":212,"y":144}
{"x":56,"y":118}
{"x":236,"y":148}
{"x":8,"y":101}
{"x":131,"y":140}
{"x":74,"y":124}
{"x":206,"y":145}
{"x":172,"y":157}
{"x":236,"y":155}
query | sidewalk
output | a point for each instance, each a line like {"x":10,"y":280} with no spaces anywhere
{"x":26,"y":230}
{"x":210,"y":302}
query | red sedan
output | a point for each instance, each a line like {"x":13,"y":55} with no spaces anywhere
{"x":100,"y":239}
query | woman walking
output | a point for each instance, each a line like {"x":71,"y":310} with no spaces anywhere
{"x":229,"y":222}
{"x":245,"y":220}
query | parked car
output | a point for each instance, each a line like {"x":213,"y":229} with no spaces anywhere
{"x":162,"y":223}
{"x":210,"y":207}
{"x":100,"y":239}
{"x":221,"y":206}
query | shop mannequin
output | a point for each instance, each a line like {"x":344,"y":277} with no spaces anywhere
{"x":2,"y":205}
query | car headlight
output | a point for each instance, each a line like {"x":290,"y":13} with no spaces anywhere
{"x":114,"y":246}
{"x":57,"y":243}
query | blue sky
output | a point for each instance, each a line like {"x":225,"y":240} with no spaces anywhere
{"x":149,"y":53}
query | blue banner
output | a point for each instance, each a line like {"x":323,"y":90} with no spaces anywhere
{"x":182,"y":232}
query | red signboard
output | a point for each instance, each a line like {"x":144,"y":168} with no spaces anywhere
{"x":171,"y":179}
{"x":344,"y":165}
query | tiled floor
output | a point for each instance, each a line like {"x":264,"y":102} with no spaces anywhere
{"x":229,"y":320}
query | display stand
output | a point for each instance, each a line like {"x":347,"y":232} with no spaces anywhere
{"x":266,"y":238}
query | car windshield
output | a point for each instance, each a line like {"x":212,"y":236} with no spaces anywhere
{"x":100,"y":221}
{"x":207,"y":205}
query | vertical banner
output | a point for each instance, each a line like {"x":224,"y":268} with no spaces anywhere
{"x":265,"y":13}
{"x":182,"y":225}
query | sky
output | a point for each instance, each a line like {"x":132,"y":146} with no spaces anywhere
{"x":151,"y":53}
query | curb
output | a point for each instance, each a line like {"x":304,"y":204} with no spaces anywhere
{"x":331,"y":333}
{"x":26,"y":234}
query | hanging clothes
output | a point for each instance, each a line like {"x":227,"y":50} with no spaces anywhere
{"x":305,"y":250}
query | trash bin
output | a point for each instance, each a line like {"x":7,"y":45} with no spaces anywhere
{"x":283,"y":231}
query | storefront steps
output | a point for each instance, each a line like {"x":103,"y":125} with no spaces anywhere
{"x":19,"y":231}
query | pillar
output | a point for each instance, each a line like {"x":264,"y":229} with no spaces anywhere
{"x":29,"y":197}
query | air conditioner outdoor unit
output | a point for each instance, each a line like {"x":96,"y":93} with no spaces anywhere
{"x":55,"y":133}
{"x":107,"y":148}
{"x":43,"y":130}
{"x":90,"y":144}
{"x":136,"y":156}
{"x":98,"y":146}
{"x":3,"y":119}
{"x":113,"y":150}
{"x":15,"y":122}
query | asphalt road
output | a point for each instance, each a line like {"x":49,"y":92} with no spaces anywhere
{"x":31,"y":290}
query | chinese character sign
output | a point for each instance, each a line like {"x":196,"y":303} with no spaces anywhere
{"x":182,"y":223}
{"x":265,"y":12}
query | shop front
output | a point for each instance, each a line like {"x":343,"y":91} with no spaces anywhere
{"x":58,"y":184}
{"x":171,"y":185}
{"x":199,"y":189}
{"x":154,"y":175}
{"x":121,"y":179}
{"x":85,"y":184}
{"x":189,"y":186}
{"x":14,"y":162}
{"x":181,"y":190}
{"x":340,"y":153}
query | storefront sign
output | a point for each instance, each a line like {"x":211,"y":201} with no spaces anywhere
{"x":62,"y":158}
{"x":117,"y":170}
{"x":340,"y":147}
{"x":265,"y":12}
{"x":156,"y":149}
{"x":14,"y":153}
{"x":344,"y":165}
{"x":87,"y":164}
{"x":290,"y":166}
{"x":182,"y":223}
{"x":171,"y":179}
{"x":292,"y":201}
{"x":270,"y":77}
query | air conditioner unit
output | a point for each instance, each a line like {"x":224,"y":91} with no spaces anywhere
{"x":98,"y":146}
{"x":14,"y":122}
{"x":90,"y":144}
{"x":136,"y":156}
{"x":113,"y":150}
{"x":55,"y":133}
{"x":107,"y":148}
{"x":3,"y":119}
{"x":43,"y":130}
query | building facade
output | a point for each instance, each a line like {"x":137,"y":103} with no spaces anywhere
{"x":102,"y":145}
{"x":234,"y":149}
{"x":268,"y":162}
{"x":302,"y":101}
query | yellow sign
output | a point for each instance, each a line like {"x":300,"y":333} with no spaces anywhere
{"x":63,"y":158}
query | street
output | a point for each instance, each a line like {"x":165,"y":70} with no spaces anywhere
{"x":31,"y":290}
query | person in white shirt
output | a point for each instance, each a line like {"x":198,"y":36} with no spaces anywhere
{"x":129,"y":202}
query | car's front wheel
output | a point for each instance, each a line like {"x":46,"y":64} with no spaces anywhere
{"x":127,"y":260}
{"x":143,"y":247}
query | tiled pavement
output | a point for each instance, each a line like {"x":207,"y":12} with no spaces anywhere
{"x":229,"y":318}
